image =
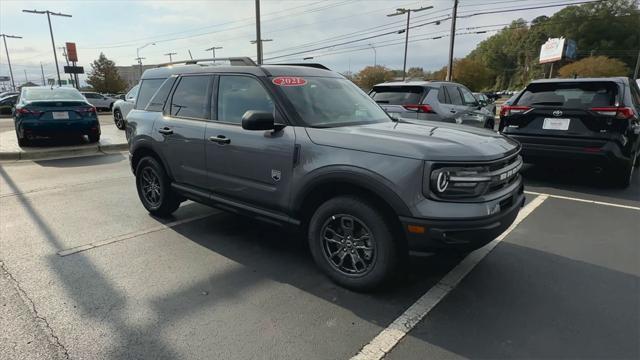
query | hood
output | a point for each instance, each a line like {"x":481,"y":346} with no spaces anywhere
{"x":432,"y":141}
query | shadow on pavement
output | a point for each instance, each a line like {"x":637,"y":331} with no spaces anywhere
{"x":578,"y":181}
{"x":91,"y":160}
{"x":530,"y":304}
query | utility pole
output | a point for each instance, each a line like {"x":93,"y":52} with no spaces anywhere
{"x":258,"y":41}
{"x":260,"y":46}
{"x":4,"y":38}
{"x":26,"y":79}
{"x":452,"y":38}
{"x":635,"y":73}
{"x":213,"y":49}
{"x":44,"y":82}
{"x":402,"y":11}
{"x":170,"y":54}
{"x":190,"y":56}
{"x":53,"y":43}
{"x":141,"y":58}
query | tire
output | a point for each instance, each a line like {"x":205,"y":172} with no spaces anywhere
{"x":94,"y":138}
{"x":22,"y":142}
{"x":118,"y":119}
{"x":161,"y":201}
{"x":366,"y":264}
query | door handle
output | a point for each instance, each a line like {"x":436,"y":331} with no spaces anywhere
{"x":165,"y":131}
{"x":452,"y":111}
{"x":220,"y":139}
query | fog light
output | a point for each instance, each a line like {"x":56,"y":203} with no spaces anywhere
{"x":416,"y":229}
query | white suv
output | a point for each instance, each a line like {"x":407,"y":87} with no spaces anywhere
{"x":121,"y":108}
{"x":98,"y":100}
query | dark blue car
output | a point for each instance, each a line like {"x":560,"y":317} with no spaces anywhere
{"x":54,"y":112}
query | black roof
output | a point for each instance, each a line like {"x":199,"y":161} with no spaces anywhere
{"x":257,"y":70}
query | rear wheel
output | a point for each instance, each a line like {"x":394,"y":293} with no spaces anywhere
{"x":94,"y":138}
{"x":154,"y":188}
{"x":118,"y":119}
{"x":622,"y":175}
{"x":352,"y":242}
{"x":22,"y":141}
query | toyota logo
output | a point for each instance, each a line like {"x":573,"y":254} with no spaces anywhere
{"x":557,"y":113}
{"x":442,"y":182}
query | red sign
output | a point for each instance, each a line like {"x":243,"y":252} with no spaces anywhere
{"x":72,"y":54}
{"x":289,"y":81}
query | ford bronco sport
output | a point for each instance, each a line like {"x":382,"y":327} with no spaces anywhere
{"x":302,"y":146}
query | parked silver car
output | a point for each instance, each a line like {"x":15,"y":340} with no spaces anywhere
{"x":99,"y":101}
{"x":121,"y":108}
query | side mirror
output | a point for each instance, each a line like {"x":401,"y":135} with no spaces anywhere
{"x":258,"y":120}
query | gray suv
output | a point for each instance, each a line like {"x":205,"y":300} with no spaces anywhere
{"x":303,"y":147}
{"x":432,"y":101}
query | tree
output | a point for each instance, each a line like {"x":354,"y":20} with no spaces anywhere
{"x":372,"y":75}
{"x":594,"y":66}
{"x":104,"y":77}
{"x":415,"y":73}
{"x":471,"y":73}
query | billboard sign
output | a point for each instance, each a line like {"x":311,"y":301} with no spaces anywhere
{"x":74,"y":70}
{"x":551,"y":50}
{"x":72,"y":54}
{"x":4,"y":78}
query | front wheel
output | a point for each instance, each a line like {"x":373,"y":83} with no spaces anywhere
{"x":118,"y":119}
{"x":154,"y":188}
{"x":352,"y":242}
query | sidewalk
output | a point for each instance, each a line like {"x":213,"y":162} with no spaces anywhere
{"x":112,"y":139}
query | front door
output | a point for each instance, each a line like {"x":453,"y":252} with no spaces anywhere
{"x":245,"y":165}
{"x":183,"y":129}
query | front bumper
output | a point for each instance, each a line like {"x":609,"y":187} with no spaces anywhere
{"x":465,"y":235}
{"x":538,"y":149}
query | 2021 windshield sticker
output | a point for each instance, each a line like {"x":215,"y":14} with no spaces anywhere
{"x":289,"y":81}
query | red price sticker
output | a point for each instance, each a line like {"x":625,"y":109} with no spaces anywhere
{"x":289,"y":81}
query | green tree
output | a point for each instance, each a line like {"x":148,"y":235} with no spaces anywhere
{"x":594,"y":66}
{"x":415,"y":73}
{"x":471,"y":73}
{"x":104,"y":76}
{"x":372,"y":75}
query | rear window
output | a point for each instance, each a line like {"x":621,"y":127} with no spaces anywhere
{"x":36,"y":94}
{"x":398,"y":95}
{"x":147,"y":89}
{"x":579,"y":95}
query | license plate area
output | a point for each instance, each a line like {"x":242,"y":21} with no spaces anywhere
{"x":556,"y":124}
{"x":60,"y":115}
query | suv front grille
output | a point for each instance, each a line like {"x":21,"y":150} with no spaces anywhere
{"x":465,"y":181}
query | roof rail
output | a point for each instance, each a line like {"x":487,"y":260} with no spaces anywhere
{"x":234,"y":61}
{"x":313,"y":65}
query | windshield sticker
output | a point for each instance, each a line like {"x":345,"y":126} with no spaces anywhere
{"x":289,"y":81}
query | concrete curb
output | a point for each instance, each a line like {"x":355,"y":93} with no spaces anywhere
{"x":63,"y":152}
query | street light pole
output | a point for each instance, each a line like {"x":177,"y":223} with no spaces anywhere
{"x":402,"y":11}
{"x":53,"y":43}
{"x":375,"y":55}
{"x":140,"y":58}
{"x":452,"y":38}
{"x":4,"y":38}
{"x":170,"y":54}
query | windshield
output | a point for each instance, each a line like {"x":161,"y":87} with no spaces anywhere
{"x":578,"y":95}
{"x":35,"y":94}
{"x":398,"y":95}
{"x":332,"y":102}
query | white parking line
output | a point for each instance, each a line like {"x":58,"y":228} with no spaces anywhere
{"x":127,"y":236}
{"x":584,"y":200}
{"x":388,"y":338}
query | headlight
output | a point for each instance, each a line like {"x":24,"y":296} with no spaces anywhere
{"x":456,"y":182}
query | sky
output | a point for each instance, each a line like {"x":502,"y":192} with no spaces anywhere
{"x":298,"y":28}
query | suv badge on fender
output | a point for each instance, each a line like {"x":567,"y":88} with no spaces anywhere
{"x":276,"y":175}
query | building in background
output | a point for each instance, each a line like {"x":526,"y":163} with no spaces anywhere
{"x":131,"y":74}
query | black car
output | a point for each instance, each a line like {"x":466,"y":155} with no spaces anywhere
{"x":595,"y":121}
{"x":432,"y":100}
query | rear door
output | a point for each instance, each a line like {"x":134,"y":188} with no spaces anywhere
{"x":453,"y":109}
{"x":400,"y":101}
{"x":248,"y":166}
{"x":181,"y":130}
{"x":578,"y":109}
{"x":473,"y":114}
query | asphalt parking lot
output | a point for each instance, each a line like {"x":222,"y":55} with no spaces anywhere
{"x":87,"y":273}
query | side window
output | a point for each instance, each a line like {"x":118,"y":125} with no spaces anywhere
{"x":88,"y":95}
{"x":442,"y":96}
{"x":158,"y":100}
{"x":191,"y":97}
{"x":132,"y":93}
{"x":467,"y":97}
{"x":147,"y":89}
{"x":454,"y":95}
{"x":635,"y":94}
{"x":238,"y":94}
